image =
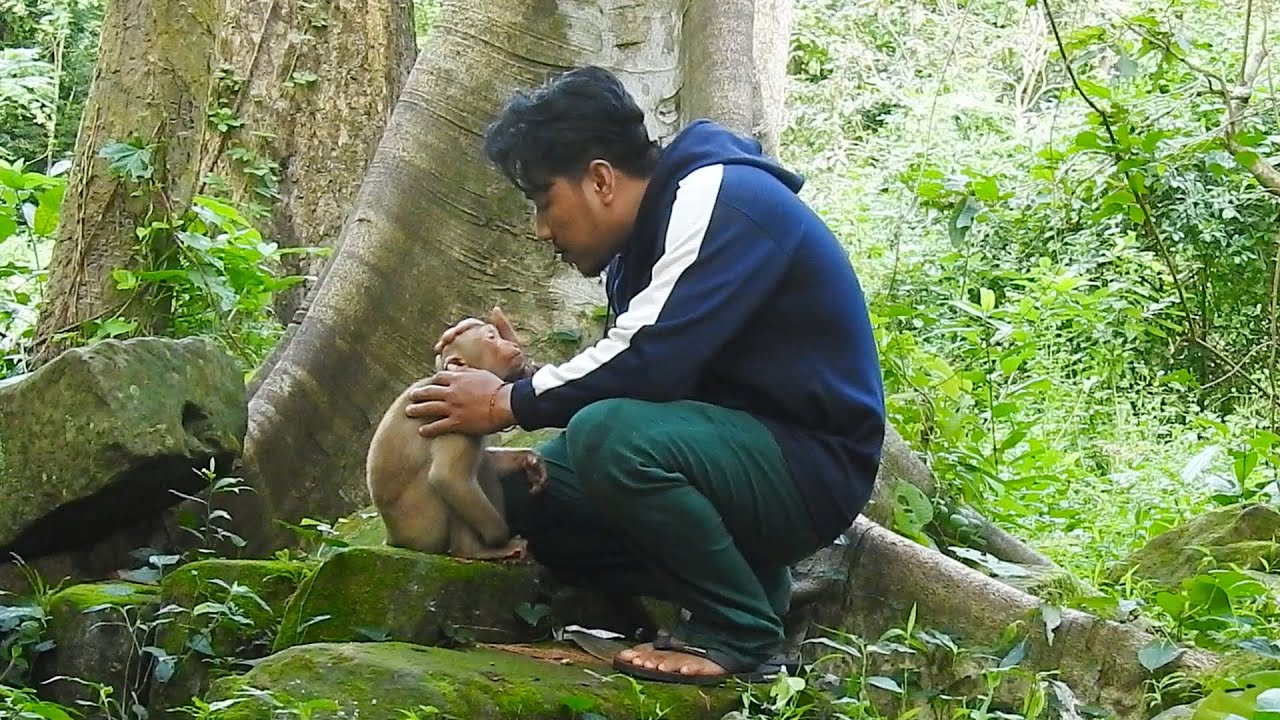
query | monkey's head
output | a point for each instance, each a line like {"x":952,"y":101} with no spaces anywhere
{"x":481,"y":347}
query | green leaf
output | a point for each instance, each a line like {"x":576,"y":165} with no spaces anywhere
{"x":1094,"y":89}
{"x":986,"y":299}
{"x":962,"y":219}
{"x":1089,"y":140}
{"x":1158,"y":653}
{"x":11,"y":177}
{"x":578,"y":703}
{"x":1016,"y":655}
{"x":8,"y":226}
{"x":125,"y":279}
{"x":986,"y":190}
{"x":911,"y":509}
{"x":46,"y":218}
{"x":1246,"y":158}
{"x":532,"y":614}
{"x":885,"y":683}
{"x":1250,"y":138}
{"x":127,"y":160}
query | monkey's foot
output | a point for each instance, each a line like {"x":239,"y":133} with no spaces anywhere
{"x":515,"y":551}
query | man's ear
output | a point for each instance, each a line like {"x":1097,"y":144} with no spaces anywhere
{"x":603,"y":180}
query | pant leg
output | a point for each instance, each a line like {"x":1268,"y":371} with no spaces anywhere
{"x":568,"y":536}
{"x":702,"y":496}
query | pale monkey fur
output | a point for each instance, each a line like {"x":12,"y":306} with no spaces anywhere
{"x":443,"y":495}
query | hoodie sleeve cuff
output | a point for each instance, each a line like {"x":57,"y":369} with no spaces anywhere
{"x":526,"y":408}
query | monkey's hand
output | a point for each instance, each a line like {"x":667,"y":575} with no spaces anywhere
{"x":535,"y":470}
{"x":506,"y":461}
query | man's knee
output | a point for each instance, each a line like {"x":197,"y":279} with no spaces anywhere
{"x":607,"y":435}
{"x":598,"y":427}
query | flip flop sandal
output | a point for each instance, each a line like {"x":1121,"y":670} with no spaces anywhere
{"x":665,"y":640}
{"x":763,"y":672}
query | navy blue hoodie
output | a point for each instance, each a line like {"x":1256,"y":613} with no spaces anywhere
{"x":731,"y":291}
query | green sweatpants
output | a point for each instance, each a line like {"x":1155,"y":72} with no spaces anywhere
{"x":684,"y":501}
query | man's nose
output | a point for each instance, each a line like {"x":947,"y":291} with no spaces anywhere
{"x":541,"y":231}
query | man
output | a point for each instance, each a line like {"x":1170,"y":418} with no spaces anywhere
{"x":730,"y":422}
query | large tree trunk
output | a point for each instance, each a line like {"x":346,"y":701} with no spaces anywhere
{"x":149,"y":86}
{"x":873,"y":581}
{"x":313,"y":84}
{"x":436,"y":235}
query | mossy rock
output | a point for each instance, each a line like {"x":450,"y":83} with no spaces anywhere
{"x":218,"y":612}
{"x":377,"y":681}
{"x":95,"y":628}
{"x":387,"y":593}
{"x":554,"y":604}
{"x":1245,"y":535}
{"x":96,"y":439}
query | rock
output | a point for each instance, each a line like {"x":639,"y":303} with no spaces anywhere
{"x":218,"y":613}
{"x":383,"y":681}
{"x":1178,"y":712}
{"x":1244,"y":534}
{"x":98,"y":630}
{"x":636,"y":618}
{"x":373,"y":593}
{"x":96,"y":439}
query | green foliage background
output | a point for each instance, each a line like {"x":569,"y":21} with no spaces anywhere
{"x":1077,"y":312}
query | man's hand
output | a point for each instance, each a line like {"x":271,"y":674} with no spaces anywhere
{"x":465,"y":400}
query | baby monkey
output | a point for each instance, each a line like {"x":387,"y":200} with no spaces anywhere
{"x":443,"y":495}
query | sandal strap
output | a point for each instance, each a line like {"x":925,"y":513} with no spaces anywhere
{"x":667,"y":642}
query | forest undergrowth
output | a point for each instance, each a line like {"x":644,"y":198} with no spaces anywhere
{"x":1055,"y":210}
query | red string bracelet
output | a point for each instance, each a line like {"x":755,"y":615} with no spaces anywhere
{"x":493,"y":401}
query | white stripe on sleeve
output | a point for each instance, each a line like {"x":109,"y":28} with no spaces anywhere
{"x":690,"y":216}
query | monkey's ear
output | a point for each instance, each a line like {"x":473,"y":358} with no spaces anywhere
{"x":453,"y":361}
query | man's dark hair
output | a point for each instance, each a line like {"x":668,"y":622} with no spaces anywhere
{"x":556,"y":129}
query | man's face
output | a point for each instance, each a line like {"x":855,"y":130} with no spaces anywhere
{"x":585,"y":219}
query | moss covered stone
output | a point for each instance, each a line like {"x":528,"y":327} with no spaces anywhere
{"x":96,"y":439}
{"x":97,"y":629}
{"x":1244,"y":535}
{"x":218,"y":612}
{"x":374,"y":681}
{"x":373,"y":593}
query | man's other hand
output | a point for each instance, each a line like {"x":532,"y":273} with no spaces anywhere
{"x":465,"y":400}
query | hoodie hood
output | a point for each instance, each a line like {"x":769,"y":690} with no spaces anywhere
{"x":705,"y":142}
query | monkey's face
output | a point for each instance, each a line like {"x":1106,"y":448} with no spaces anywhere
{"x":481,"y":347}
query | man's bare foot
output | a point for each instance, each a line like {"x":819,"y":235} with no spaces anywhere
{"x":671,"y":661}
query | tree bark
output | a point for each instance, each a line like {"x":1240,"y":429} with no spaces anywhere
{"x":313,"y":84}
{"x":874,"y":580}
{"x":150,"y":83}
{"x":435,"y":235}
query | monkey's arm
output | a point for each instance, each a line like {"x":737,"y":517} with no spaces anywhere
{"x":454,"y":463}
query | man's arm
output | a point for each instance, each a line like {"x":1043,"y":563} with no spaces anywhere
{"x":717,"y":266}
